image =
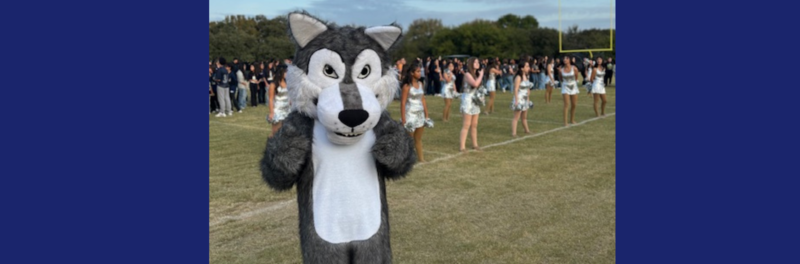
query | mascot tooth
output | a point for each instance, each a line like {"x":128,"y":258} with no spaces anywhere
{"x":339,"y":144}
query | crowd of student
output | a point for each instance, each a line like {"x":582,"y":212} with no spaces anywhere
{"x":471,"y":81}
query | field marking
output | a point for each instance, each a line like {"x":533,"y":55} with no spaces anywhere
{"x":237,"y":125}
{"x":509,"y":119}
{"x":598,"y":106}
{"x":249,"y":214}
{"x":516,"y":139}
{"x":283,"y":204}
{"x":434,"y":152}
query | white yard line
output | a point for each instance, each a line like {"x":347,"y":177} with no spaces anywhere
{"x":517,"y":139}
{"x":434,"y":152}
{"x":509,"y":119}
{"x":251,"y":213}
{"x":283,"y":204}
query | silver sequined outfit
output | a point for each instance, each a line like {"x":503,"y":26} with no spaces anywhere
{"x":415,"y":112}
{"x":522,"y":97}
{"x":467,"y":105}
{"x":281,"y":106}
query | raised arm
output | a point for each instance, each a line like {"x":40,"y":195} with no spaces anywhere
{"x":287,"y":152}
{"x":472,"y":81}
{"x":394,"y":148}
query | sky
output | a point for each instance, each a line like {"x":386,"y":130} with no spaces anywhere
{"x":583,"y":13}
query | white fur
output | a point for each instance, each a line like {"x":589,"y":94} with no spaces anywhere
{"x":316,"y":65}
{"x":346,"y":192}
{"x":330,"y":105}
{"x":367,"y":57}
{"x":385,"y":88}
{"x":384,"y":35}
{"x":302,"y":91}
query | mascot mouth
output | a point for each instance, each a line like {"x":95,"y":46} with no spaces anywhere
{"x":349,"y":135}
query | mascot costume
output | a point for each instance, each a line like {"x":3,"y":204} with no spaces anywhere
{"x":338,"y":144}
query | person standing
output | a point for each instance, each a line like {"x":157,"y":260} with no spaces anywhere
{"x":222,"y":77}
{"x":212,"y":93}
{"x":413,"y":109}
{"x":512,"y":71}
{"x":435,"y":77}
{"x":279,"y":104}
{"x":534,"y":75}
{"x":241,"y":93}
{"x":252,"y":77}
{"x":520,"y":102}
{"x":234,"y":86}
{"x":448,"y":90}
{"x":609,"y":71}
{"x":569,"y":90}
{"x":470,"y":110}
{"x":262,"y":83}
{"x":550,"y":81}
{"x":491,"y":84}
{"x":599,"y":87}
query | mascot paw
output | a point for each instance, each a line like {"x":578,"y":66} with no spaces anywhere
{"x":394,"y":148}
{"x":286,"y":152}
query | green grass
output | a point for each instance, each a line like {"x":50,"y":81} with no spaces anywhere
{"x":542,"y":199}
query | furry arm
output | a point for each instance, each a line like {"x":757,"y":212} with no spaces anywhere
{"x":394,"y":148}
{"x":287,"y":152}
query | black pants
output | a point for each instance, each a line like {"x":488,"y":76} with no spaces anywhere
{"x":609,"y":74}
{"x":253,"y":94}
{"x":234,"y":104}
{"x":262,"y":98}
{"x":429,"y":87}
{"x":214,"y":104}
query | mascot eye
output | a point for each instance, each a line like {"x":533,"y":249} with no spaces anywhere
{"x":364,"y":72}
{"x":328,"y":71}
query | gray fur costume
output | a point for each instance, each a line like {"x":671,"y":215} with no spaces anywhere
{"x":339,"y":143}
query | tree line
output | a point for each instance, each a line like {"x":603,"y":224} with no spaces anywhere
{"x":510,"y":36}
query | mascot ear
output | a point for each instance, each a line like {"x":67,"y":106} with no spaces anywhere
{"x":384,"y":35}
{"x":305,"y":28}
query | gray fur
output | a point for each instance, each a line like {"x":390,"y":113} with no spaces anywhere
{"x":348,"y":42}
{"x":351,"y":98}
{"x":376,"y":249}
{"x":287,"y":158}
{"x":393,"y":149}
{"x":303,"y":92}
{"x":287,"y":151}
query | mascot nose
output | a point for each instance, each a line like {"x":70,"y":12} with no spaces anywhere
{"x":353,"y":117}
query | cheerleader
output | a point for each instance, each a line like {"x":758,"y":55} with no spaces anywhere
{"x":521,"y":103}
{"x":542,"y":73}
{"x":278,"y":99}
{"x":448,"y":90}
{"x":491,"y":84}
{"x":598,"y":86}
{"x":413,"y":110}
{"x":470,"y":109}
{"x":569,"y":89}
{"x":549,"y":81}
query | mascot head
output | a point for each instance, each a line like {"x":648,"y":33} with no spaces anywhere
{"x":340,"y":75}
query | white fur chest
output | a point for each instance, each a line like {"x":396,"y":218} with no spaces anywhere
{"x":346,"y":192}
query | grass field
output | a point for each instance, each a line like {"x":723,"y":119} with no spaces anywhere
{"x":548,"y":197}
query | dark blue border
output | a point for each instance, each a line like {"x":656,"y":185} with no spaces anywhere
{"x":700,"y":173}
{"x":106,"y":145}
{"x":106,"y":141}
